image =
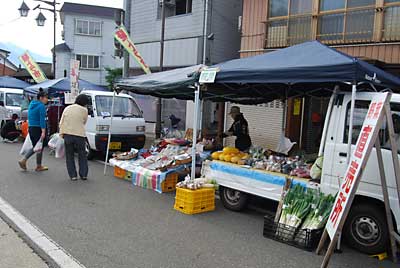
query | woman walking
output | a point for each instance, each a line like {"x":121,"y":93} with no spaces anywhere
{"x":72,"y":129}
{"x":37,"y":129}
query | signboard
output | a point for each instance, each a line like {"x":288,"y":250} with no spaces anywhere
{"x":207,"y":76}
{"x":296,"y":106}
{"x":74,"y":77}
{"x":122,"y":36}
{"x":358,"y":160}
{"x":33,"y":68}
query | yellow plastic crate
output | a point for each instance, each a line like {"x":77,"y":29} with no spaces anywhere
{"x":119,"y":173}
{"x":170,"y":182}
{"x":194,"y":201}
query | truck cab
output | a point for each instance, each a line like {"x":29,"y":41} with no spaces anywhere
{"x":11,"y":100}
{"x":128,"y":127}
{"x":365,"y":226}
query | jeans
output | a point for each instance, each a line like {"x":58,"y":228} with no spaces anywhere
{"x":34,"y":134}
{"x":76,"y":144}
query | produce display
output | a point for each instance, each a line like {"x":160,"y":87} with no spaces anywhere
{"x":195,"y":184}
{"x":306,"y":209}
{"x":268,"y":160}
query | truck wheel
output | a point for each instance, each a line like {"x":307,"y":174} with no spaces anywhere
{"x":90,"y":154}
{"x":366,"y":229}
{"x":233,"y":199}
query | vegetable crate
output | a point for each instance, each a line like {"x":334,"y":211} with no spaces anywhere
{"x":170,"y":182}
{"x":122,"y":174}
{"x":194,"y":201}
{"x":302,"y":238}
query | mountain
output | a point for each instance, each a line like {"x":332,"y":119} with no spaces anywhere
{"x":17,"y":51}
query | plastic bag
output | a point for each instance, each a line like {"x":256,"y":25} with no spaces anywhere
{"x":285,"y":145}
{"x":53,"y":141}
{"x":60,"y":148}
{"x":316,"y":169}
{"x":38,"y":147}
{"x":27,"y":146}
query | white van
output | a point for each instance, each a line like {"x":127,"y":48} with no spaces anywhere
{"x":128,"y":130}
{"x":10,"y":103}
{"x":365,"y":228}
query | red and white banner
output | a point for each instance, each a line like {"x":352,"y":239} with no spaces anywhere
{"x":358,"y":160}
{"x":74,"y":77}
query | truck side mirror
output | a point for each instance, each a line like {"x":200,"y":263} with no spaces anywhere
{"x":2,"y":103}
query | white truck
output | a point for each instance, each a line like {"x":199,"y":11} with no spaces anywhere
{"x":10,"y":103}
{"x":365,"y":228}
{"x":128,"y":129}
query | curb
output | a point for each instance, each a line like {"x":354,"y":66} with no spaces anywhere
{"x":46,"y":248}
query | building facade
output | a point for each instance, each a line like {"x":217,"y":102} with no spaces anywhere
{"x":369,"y":29}
{"x":7,"y":68}
{"x":88,"y":32}
{"x":184,"y":32}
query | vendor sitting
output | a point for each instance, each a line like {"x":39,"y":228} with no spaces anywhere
{"x":239,"y":129}
{"x":9,"y":131}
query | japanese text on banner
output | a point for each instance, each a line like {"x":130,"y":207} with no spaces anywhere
{"x":74,"y":77}
{"x":122,"y":36}
{"x":358,"y":158}
{"x":32,"y":67}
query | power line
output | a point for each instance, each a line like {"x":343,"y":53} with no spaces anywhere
{"x":11,"y":21}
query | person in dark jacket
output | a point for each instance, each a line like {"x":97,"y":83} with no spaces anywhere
{"x":9,"y":131}
{"x":239,"y":129}
{"x":37,"y":129}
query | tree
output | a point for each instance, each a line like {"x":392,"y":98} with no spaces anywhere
{"x":112,"y":75}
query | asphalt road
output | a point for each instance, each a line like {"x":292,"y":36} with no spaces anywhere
{"x":106,"y":222}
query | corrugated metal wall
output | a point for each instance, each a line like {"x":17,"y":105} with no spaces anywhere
{"x":389,"y":53}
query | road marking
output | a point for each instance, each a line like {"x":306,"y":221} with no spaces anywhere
{"x":45,"y":247}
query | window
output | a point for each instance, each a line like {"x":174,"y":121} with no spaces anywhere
{"x":278,"y":8}
{"x":123,"y":107}
{"x":175,"y":8}
{"x":391,"y":24}
{"x":88,"y":27}
{"x":88,"y":61}
{"x":353,"y":25}
{"x":360,"y":111}
{"x":360,"y":3}
{"x":14,"y":99}
{"x":326,"y":5}
{"x":300,"y":6}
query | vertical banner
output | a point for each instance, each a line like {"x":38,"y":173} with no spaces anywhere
{"x":122,"y":36}
{"x":74,"y":82}
{"x":359,"y":158}
{"x":33,"y":68}
{"x":74,"y":77}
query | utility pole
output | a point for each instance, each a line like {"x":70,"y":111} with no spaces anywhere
{"x":159,"y":101}
{"x":127,"y":23}
{"x":54,"y":39}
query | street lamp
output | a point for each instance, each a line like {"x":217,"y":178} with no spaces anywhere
{"x":41,"y":19}
{"x":23,"y":10}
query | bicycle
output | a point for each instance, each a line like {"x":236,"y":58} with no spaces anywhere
{"x":173,"y":130}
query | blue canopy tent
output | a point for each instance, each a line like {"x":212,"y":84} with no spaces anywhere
{"x":11,"y":82}
{"x":61,"y":85}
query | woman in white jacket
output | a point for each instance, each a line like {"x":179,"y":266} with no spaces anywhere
{"x":72,"y":129}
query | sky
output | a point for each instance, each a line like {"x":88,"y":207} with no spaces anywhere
{"x":24,"y":32}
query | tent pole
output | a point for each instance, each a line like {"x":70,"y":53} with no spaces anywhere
{"x":302,"y":123}
{"x":353,"y":100}
{"x":109,"y":134}
{"x":195,"y":121}
{"x":327,"y":121}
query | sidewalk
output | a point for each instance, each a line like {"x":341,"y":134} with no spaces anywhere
{"x":14,"y":252}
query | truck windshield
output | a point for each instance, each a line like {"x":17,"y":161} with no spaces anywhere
{"x":14,"y":99}
{"x":123,"y":107}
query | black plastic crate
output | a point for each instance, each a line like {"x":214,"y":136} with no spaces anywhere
{"x":304,"y":239}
